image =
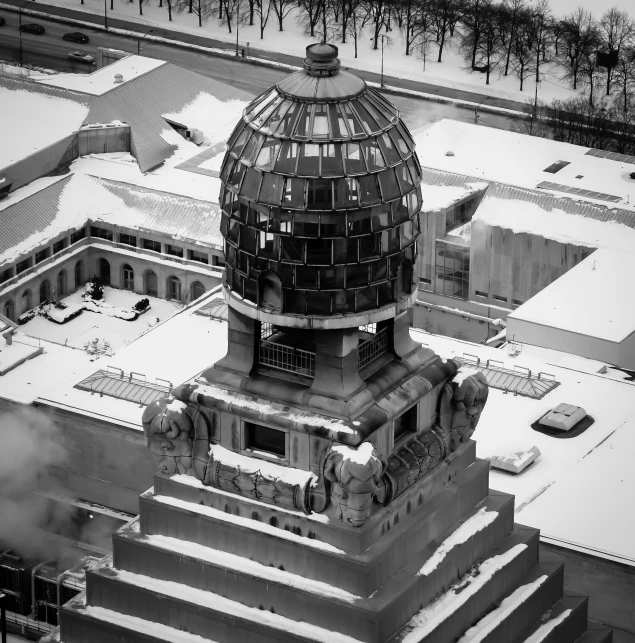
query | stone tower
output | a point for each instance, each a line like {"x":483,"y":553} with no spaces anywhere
{"x":319,"y":483}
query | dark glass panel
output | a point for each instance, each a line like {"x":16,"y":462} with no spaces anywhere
{"x":369,"y":247}
{"x":235,"y":134}
{"x":381,"y":217}
{"x":302,"y":127}
{"x":267,"y":246}
{"x":332,"y":278}
{"x":343,"y":301}
{"x":309,"y":161}
{"x":306,"y":277}
{"x":242,"y":211}
{"x":390,"y":241}
{"x":271,"y":189}
{"x":318,"y":303}
{"x":228,"y":164}
{"x":268,"y":155}
{"x":224,"y":225}
{"x":285,"y":126}
{"x":331,"y":159}
{"x":358,"y":222}
{"x":248,"y":239}
{"x":333,"y":225}
{"x":379,"y":270}
{"x":388,"y":185}
{"x":277,"y":116}
{"x":285,"y":272}
{"x":400,"y":143}
{"x":288,"y":158}
{"x":354,"y":126}
{"x":384,"y":293}
{"x":252,"y":148}
{"x":292,"y":249}
{"x":236,"y":175}
{"x":259,"y":103}
{"x":318,"y":252}
{"x":376,"y":114}
{"x":415,"y":160}
{"x":366,"y":298}
{"x":338,"y":124}
{"x":260,"y":216}
{"x":295,"y":301}
{"x":383,"y":105}
{"x":320,"y":194}
{"x":346,"y":192}
{"x":372,"y":154}
{"x":414,"y":202}
{"x":345,"y":250}
{"x":237,"y":283}
{"x":251,"y":288}
{"x":400,"y":211}
{"x":407,"y":234}
{"x":234,"y":231}
{"x":414,"y":173}
{"x":357,"y":275}
{"x":249,"y":188}
{"x":388,"y":149}
{"x":405,"y":134}
{"x":294,"y":193}
{"x":280,"y":221}
{"x":320,"y":128}
{"x":353,"y":159}
{"x":368,"y":192}
{"x":230,"y":254}
{"x":405,"y":180}
{"x":306,"y":225}
{"x":368,"y":122}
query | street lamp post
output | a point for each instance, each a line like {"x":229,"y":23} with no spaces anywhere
{"x":105,"y":15}
{"x":237,"y":23}
{"x":382,"y":37}
{"x":147,"y":33}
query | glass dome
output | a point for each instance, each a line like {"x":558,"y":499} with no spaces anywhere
{"x":320,"y":197}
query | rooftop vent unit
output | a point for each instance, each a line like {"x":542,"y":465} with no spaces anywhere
{"x":564,"y":421}
{"x":118,"y":78}
{"x":514,"y":461}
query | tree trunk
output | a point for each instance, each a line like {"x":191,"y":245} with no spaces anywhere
{"x":140,"y":7}
{"x":441,"y":47}
{"x":170,"y":10}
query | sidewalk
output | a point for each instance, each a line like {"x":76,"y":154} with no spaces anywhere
{"x":392,"y":84}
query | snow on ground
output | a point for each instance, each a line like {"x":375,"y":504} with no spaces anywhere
{"x":564,"y":304}
{"x":505,"y":423}
{"x":102,"y":80}
{"x":88,"y":325}
{"x":449,"y":73}
{"x":26,"y":131}
{"x":27,"y":71}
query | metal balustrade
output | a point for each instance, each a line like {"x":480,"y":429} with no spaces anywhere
{"x":373,"y":347}
{"x":287,"y":358}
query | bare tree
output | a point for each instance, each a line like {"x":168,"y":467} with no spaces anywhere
{"x":262,"y":8}
{"x":490,"y":49}
{"x":202,"y":9}
{"x":310,"y":14}
{"x":472,"y":17}
{"x":541,"y":33}
{"x":513,"y":13}
{"x":417,"y":27}
{"x":579,"y":35}
{"x":171,"y":5}
{"x":446,"y":14}
{"x":624,"y":78}
{"x":234,"y":13}
{"x":522,"y":56}
{"x":358,"y":19}
{"x":380,"y":11}
{"x":282,"y":8}
{"x":590,"y":72}
{"x":616,"y":30}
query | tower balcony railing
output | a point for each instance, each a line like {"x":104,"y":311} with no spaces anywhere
{"x":287,"y":358}
{"x":373,"y":347}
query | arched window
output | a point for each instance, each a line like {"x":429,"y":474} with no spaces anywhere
{"x":79,"y":274}
{"x":45,"y":291}
{"x":151,"y":284}
{"x":9,"y":309}
{"x":127,"y":274}
{"x":103,"y":268}
{"x":174,"y":289}
{"x":270,"y":291}
{"x":197,"y":289}
{"x":62,"y":283}
{"x":27,"y":301}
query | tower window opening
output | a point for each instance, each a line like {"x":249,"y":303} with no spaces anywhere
{"x":262,"y":438}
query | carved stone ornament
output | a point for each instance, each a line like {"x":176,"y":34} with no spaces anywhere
{"x":353,"y":479}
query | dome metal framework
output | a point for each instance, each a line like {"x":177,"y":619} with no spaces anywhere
{"x":320,"y":196}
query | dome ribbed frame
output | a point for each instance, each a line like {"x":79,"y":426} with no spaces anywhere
{"x":325,"y":194}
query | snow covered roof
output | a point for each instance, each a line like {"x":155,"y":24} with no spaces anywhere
{"x":33,"y":120}
{"x":553,"y":494}
{"x":154,"y":89}
{"x":517,"y":159}
{"x":559,"y":218}
{"x":594,"y":298}
{"x":70,"y":202}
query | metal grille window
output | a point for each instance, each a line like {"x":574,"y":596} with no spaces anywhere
{"x":452,"y":270}
{"x":287,"y":358}
{"x":372,"y":347}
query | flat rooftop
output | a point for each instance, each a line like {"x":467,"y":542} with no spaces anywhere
{"x":526,"y":161}
{"x":594,"y":298}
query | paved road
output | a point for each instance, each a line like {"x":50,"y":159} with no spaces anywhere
{"x":49,"y":50}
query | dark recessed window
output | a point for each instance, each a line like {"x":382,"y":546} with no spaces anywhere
{"x":58,"y":246}
{"x":195,"y":255}
{"x":500,"y":298}
{"x":148,"y":244}
{"x":5,"y":275}
{"x":517,"y":302}
{"x":406,"y":423}
{"x":101,"y":233}
{"x":262,"y":438}
{"x":77,"y":235}
{"x":21,"y":266}
{"x":480,"y":293}
{"x":423,"y":280}
{"x":175,"y":251}
{"x":128,"y":239}
{"x":42,"y":255}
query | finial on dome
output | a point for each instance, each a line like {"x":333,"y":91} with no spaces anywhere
{"x":321,"y":60}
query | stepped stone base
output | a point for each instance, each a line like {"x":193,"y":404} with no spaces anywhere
{"x":443,"y":563}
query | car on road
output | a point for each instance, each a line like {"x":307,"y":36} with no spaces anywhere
{"x":2,"y":21}
{"x":31,"y":27}
{"x":76,"y":36}
{"x":82,"y":57}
